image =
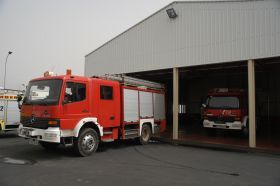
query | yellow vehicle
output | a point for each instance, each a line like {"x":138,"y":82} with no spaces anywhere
{"x":9,"y":111}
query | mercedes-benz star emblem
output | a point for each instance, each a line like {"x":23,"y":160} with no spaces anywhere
{"x":32,"y":119}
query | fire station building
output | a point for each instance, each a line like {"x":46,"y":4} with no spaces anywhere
{"x":195,"y":46}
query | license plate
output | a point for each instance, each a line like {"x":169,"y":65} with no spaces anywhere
{"x":33,"y":141}
{"x":220,"y":126}
{"x":220,"y":122}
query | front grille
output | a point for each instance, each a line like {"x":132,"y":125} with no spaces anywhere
{"x":221,"y":119}
{"x":39,"y":123}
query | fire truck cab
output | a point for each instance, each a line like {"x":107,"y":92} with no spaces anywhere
{"x":226,"y":109}
{"x":80,"y":111}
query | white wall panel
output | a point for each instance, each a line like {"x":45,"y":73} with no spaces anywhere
{"x":203,"y":33}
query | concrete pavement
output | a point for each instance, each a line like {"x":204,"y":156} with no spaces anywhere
{"x":124,"y":163}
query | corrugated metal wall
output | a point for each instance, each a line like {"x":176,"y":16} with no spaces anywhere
{"x":203,"y":33}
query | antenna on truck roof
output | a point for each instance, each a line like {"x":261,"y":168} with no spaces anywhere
{"x":131,"y":81}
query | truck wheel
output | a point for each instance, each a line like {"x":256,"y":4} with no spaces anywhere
{"x":87,"y":142}
{"x":48,"y":145}
{"x":146,"y":134}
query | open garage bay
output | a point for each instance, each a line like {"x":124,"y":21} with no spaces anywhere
{"x":196,"y":82}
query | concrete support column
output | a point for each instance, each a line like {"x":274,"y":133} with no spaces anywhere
{"x":252,"y":103}
{"x":175,"y":102}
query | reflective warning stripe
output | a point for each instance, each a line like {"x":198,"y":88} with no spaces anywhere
{"x":8,"y":97}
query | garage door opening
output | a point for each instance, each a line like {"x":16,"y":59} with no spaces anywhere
{"x":200,"y":86}
{"x":194,"y":86}
{"x":268,"y":103}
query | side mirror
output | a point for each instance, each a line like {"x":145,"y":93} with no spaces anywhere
{"x":203,"y":105}
{"x":64,"y":102}
{"x":67,"y":99}
{"x":19,"y":98}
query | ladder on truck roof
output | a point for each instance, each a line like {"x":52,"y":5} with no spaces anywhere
{"x":131,"y":81}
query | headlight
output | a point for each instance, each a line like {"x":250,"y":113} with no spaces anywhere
{"x":236,"y":125}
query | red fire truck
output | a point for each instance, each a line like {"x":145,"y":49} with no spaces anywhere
{"x":226,"y":109}
{"x":81,"y":112}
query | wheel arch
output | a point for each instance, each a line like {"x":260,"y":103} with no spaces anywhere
{"x":149,"y":122}
{"x":88,"y":123}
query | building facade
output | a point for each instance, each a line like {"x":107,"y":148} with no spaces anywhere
{"x":201,"y":36}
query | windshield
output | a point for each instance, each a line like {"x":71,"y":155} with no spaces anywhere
{"x":43,"y":92}
{"x":223,"y":102}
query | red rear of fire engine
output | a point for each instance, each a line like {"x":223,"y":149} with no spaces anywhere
{"x":81,"y":112}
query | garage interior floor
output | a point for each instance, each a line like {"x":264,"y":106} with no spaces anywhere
{"x":269,"y":139}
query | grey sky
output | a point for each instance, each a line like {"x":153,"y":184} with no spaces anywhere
{"x":57,"y":34}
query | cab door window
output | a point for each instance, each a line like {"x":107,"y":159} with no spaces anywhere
{"x":75,"y":92}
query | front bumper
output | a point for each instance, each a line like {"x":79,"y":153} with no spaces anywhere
{"x":236,"y":125}
{"x":51,"y":134}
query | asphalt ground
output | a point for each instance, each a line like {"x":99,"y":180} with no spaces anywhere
{"x":125,"y":163}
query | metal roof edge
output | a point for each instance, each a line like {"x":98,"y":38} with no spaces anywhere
{"x":174,"y":2}
{"x":214,"y":1}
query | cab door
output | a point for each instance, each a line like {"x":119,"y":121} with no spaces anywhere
{"x":108,"y":96}
{"x":75,"y":105}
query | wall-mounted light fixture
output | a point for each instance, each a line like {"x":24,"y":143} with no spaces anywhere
{"x":171,"y":13}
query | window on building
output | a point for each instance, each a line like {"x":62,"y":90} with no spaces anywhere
{"x":75,"y":92}
{"x":106,"y":92}
{"x":182,"y":109}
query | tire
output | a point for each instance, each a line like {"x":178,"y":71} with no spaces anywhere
{"x":48,"y":145}
{"x":146,"y":134}
{"x":86,"y":143}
